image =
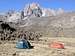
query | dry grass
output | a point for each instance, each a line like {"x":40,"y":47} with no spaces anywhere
{"x":41,"y":48}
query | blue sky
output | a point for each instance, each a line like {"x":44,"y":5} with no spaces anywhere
{"x":68,"y":5}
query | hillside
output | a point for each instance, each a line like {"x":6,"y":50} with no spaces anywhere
{"x":45,"y":20}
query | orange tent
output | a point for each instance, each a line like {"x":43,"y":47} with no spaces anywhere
{"x":57,"y":45}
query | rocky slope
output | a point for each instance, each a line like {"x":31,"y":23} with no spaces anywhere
{"x":52,"y":24}
{"x":62,"y":25}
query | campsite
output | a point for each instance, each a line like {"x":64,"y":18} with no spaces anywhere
{"x":41,"y":48}
{"x":37,"y":28}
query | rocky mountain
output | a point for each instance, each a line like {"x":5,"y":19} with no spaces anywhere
{"x":31,"y":10}
{"x":47,"y":21}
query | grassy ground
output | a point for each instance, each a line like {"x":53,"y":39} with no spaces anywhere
{"x":41,"y":48}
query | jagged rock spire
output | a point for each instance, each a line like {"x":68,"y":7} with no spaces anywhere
{"x":33,"y":9}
